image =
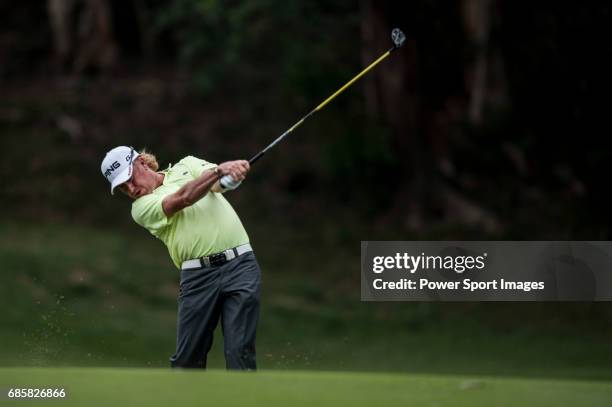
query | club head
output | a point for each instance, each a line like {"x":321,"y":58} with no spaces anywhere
{"x":398,"y":37}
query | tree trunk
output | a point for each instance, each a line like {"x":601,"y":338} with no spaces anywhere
{"x":61,"y":28}
{"x":485,"y":77}
{"x":97,"y":48}
{"x":93,"y":46}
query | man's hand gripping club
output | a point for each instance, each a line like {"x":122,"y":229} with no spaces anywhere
{"x":232,"y":173}
{"x":192,"y":191}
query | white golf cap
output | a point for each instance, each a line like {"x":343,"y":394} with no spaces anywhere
{"x":117,"y":165}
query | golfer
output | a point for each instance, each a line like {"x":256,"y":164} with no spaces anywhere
{"x":183,"y":206}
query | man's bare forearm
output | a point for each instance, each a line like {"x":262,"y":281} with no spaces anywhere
{"x":194,"y":190}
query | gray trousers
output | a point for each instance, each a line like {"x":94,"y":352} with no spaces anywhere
{"x":230,"y":292}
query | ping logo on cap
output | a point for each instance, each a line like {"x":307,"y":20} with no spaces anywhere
{"x":111,"y":169}
{"x":117,"y":165}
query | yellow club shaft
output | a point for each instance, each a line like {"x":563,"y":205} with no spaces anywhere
{"x":349,"y":83}
{"x":316,"y":109}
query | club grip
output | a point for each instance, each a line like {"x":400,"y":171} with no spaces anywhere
{"x":226,"y":181}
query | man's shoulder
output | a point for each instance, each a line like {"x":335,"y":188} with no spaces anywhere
{"x":195,"y":165}
{"x":148,"y":212}
{"x":191,"y":160}
{"x":143,"y":200}
{"x":144,"y":203}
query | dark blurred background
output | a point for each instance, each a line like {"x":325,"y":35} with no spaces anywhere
{"x":490,"y":123}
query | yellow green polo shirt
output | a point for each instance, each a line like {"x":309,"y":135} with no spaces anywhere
{"x":208,"y":226}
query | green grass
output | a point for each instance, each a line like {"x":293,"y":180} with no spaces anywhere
{"x":161,"y":387}
{"x":106,"y":297}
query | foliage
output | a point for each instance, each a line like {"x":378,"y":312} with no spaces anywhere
{"x":239,"y":44}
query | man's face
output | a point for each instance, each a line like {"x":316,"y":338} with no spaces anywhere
{"x":143,"y":181}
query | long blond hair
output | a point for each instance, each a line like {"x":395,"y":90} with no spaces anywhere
{"x":149,"y":159}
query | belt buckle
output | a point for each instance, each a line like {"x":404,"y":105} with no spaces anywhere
{"x":218,"y":259}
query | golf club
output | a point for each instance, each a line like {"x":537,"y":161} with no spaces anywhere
{"x":398,"y":38}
